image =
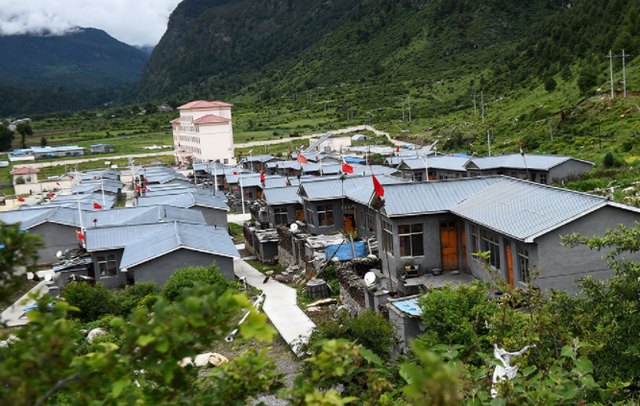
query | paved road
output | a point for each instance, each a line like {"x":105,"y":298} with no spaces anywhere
{"x":280,"y":306}
{"x":339,"y":131}
{"x":14,"y":315}
{"x":92,"y":158}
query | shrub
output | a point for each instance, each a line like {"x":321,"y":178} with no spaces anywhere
{"x":93,"y":301}
{"x":186,"y":277}
{"x":369,"y":329}
{"x":131,"y":297}
{"x":456,"y":317}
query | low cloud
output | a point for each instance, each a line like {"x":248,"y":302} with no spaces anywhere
{"x":139,"y":22}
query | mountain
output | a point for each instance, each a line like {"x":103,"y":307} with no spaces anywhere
{"x":224,"y":48}
{"x":84,"y":59}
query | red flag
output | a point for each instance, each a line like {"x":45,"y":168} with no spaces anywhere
{"x":377,"y":186}
{"x":95,"y":177}
{"x":317,"y":158}
{"x":138,"y":187}
{"x":58,"y":183}
{"x":72,"y":177}
{"x":178,"y":145}
{"x":146,"y":181}
{"x":398,"y":148}
{"x":20,"y":199}
{"x":520,"y":142}
{"x":302,"y":159}
{"x":51,"y":195}
{"x":235,"y":172}
{"x":96,"y":205}
{"x":262,"y":177}
{"x":80,"y":235}
{"x":347,"y":168}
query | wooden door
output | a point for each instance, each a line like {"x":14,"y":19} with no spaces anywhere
{"x":507,"y":246}
{"x":449,"y":245}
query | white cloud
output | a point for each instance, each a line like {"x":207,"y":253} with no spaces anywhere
{"x":135,"y":22}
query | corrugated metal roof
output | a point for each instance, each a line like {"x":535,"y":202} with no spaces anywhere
{"x":27,"y":218}
{"x":185,"y":200}
{"x":354,"y":187}
{"x":281,"y":195}
{"x":522,"y":209}
{"x":178,"y":235}
{"x":412,"y":163}
{"x":535,"y":162}
{"x":409,"y":306}
{"x":426,"y":197}
{"x":448,"y":162}
{"x":258,"y":158}
{"x":105,"y":238}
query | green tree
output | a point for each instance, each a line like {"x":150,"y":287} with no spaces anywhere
{"x":550,"y":84}
{"x":43,"y":142}
{"x":24,"y":129}
{"x":93,"y":301}
{"x":6,"y":138}
{"x":587,"y":80}
{"x":187,"y":277}
{"x":17,"y":249}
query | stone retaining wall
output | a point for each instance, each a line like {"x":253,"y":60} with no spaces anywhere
{"x":352,"y":288}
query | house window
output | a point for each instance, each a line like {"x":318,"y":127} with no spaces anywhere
{"x":489,"y":242}
{"x":411,"y":242}
{"x":543,"y":178}
{"x":325,"y":215}
{"x":417,"y":176}
{"x":310,"y":216}
{"x":371,"y":219}
{"x":107,"y":266}
{"x":387,"y":237}
{"x":281,"y":216}
{"x":523,"y":263}
{"x":475,"y":241}
{"x":226,"y":161}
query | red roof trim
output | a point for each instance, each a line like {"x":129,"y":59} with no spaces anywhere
{"x":23,"y":171}
{"x":211,"y":119}
{"x":202,"y":104}
{"x":175,"y":121}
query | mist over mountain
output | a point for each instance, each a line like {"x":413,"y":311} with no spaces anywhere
{"x":84,"y":58}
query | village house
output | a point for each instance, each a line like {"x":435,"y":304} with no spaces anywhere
{"x":213,"y":208}
{"x":439,"y":226}
{"x":153,"y":252}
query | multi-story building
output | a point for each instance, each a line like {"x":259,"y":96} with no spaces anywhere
{"x":204,"y":133}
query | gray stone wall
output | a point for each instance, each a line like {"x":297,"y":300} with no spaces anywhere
{"x":352,"y":288}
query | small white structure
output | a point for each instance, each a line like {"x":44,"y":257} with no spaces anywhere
{"x":204,"y":133}
{"x":506,"y":371}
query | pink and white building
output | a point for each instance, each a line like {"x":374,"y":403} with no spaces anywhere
{"x":204,"y":132}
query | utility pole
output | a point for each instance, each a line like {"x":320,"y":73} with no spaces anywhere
{"x":475,"y":107}
{"x":402,"y":100}
{"x":610,"y":56}
{"x":409,"y":101}
{"x":550,"y":132}
{"x":482,"y":104}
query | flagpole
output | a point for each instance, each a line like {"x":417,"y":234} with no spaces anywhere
{"x":104,"y":204}
{"x":241,"y":193}
{"x":215,"y":178}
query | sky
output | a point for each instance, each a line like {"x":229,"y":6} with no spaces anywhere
{"x":135,"y":22}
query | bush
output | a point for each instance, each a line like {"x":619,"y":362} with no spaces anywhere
{"x":93,"y":301}
{"x":612,"y":161}
{"x":133,"y":296}
{"x":369,"y":329}
{"x":186,"y":277}
{"x":456,"y":317}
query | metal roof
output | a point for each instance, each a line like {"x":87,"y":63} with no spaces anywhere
{"x":354,"y":187}
{"x":535,"y":162}
{"x":258,"y":158}
{"x":185,"y":200}
{"x":412,"y":163}
{"x":448,"y":162}
{"x":281,"y":195}
{"x":201,"y":238}
{"x":408,"y":306}
{"x":525,"y":209}
{"x":27,"y":218}
{"x":434,"y":196}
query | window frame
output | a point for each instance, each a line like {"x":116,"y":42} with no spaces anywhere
{"x":325,"y":215}
{"x":522,"y":254}
{"x":387,"y":237}
{"x":278,"y":213}
{"x":106,"y":259}
{"x":487,"y":243}
{"x":415,"y":238}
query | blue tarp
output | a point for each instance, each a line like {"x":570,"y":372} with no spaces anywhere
{"x":345,"y":252}
{"x":354,"y":160}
